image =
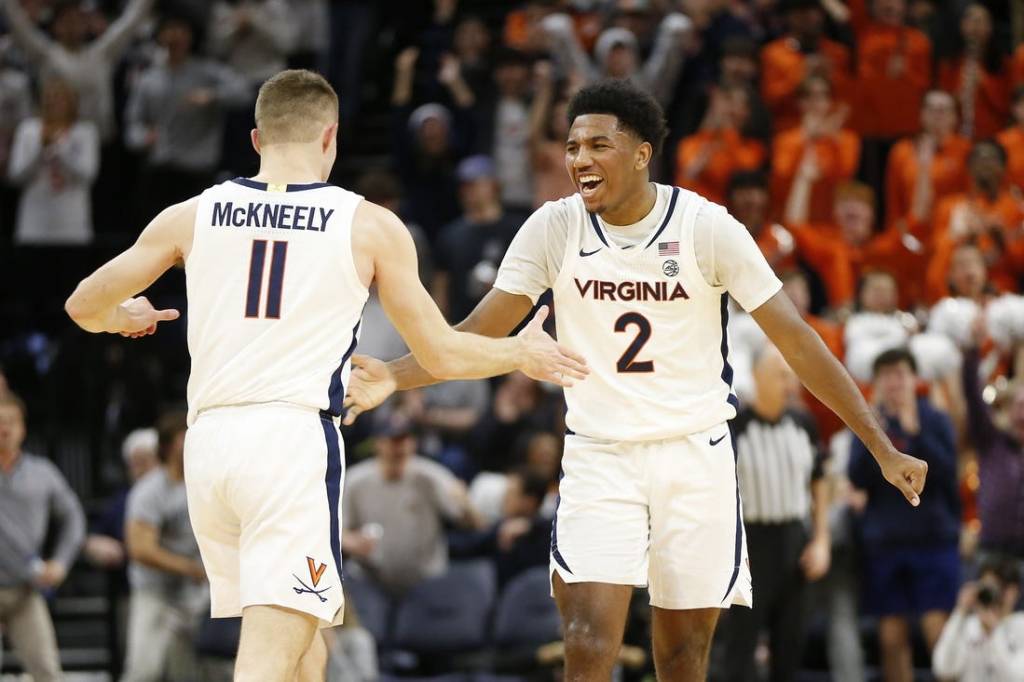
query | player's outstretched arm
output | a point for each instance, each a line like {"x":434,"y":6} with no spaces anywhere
{"x":828,"y":380}
{"x":373,"y":381}
{"x":103,"y":301}
{"x":442,"y":351}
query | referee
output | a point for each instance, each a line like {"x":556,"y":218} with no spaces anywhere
{"x":779,"y":466}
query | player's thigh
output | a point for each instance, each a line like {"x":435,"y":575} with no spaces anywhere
{"x":593,"y":615}
{"x":698,"y":548}
{"x":600,"y":530}
{"x":210,"y":460}
{"x":272,"y":642}
{"x":288,"y":499}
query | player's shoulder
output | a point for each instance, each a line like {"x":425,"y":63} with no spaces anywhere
{"x":559,"y":211}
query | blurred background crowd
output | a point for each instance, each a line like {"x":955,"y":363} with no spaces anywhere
{"x":873,"y":148}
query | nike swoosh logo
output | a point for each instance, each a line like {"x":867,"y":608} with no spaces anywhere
{"x":584,"y":254}
{"x":713,"y":442}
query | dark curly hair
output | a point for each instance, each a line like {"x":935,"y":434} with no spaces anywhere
{"x":635,"y":109}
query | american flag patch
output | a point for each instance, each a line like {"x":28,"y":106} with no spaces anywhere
{"x":668,"y":248}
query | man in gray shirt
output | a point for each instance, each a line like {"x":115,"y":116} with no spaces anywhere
{"x":395,"y":508}
{"x":175,"y":116}
{"x":166,"y":574}
{"x":32,"y":494}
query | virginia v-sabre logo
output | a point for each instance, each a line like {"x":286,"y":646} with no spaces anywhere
{"x":315,"y":573}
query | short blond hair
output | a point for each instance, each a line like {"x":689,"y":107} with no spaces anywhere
{"x":295,"y":106}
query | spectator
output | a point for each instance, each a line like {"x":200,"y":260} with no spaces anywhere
{"x":444,"y":415}
{"x":87,"y":66}
{"x":1000,"y":456}
{"x":803,"y":53}
{"x":737,"y":66}
{"x":254,"y":39}
{"x":780,"y":474}
{"x":984,"y":638}
{"x":471,"y":45}
{"x":104,"y":546}
{"x":926,"y":168}
{"x":819,"y":147}
{"x":395,"y":507}
{"x":1012,"y":140}
{"x":15,"y":103}
{"x":521,"y":539}
{"x":977,"y":72}
{"x":794,"y":283}
{"x":429,"y":141}
{"x":382,"y":187}
{"x":166,"y":572}
{"x":988,"y":215}
{"x":55,"y":157}
{"x":912,"y":563}
{"x":617,"y":54}
{"x":175,"y":117}
{"x":517,"y":407}
{"x":470,"y":249}
{"x":968,"y":275}
{"x":504,"y":128}
{"x":748,"y":201}
{"x":33,"y":495}
{"x":706,"y":160}
{"x":549,"y":128}
{"x":894,"y":65}
{"x":849,"y":235}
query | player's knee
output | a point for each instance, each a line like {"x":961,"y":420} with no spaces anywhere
{"x":586,"y":640}
{"x":687,"y":653}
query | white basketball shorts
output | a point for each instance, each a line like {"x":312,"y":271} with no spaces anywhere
{"x":662,"y":514}
{"x":264,"y":494}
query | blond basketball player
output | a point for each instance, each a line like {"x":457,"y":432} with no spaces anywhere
{"x":278,"y":269}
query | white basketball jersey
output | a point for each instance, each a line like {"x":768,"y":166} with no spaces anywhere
{"x":652,"y":329}
{"x":274,"y":299}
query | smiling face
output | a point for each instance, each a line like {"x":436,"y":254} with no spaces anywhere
{"x":606,"y":163}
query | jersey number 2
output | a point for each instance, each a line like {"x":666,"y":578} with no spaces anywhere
{"x":254,"y":292}
{"x":628,"y":361}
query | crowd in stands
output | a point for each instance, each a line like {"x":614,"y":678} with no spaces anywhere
{"x":873,"y":148}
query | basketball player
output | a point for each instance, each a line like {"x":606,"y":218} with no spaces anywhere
{"x":278,"y":268}
{"x":641,"y":274}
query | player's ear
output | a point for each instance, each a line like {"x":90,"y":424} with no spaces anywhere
{"x":254,"y":137}
{"x":330,"y":134}
{"x":644,"y":152}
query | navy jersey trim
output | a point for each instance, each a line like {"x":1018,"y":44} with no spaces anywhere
{"x":332,"y":481}
{"x":301,"y":187}
{"x":668,"y":216}
{"x":556,"y":555}
{"x":597,"y":228}
{"x":739,"y":523}
{"x":336,"y":390}
{"x":727,"y":372}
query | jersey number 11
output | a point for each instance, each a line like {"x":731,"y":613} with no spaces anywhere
{"x":254,"y":292}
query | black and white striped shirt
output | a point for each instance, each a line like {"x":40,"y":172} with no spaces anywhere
{"x":776,"y":462}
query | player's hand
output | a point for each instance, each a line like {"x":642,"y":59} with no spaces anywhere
{"x":370,"y":384}
{"x":137,"y":317}
{"x":906,"y":473}
{"x":544,"y":359}
{"x":816,"y":558}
